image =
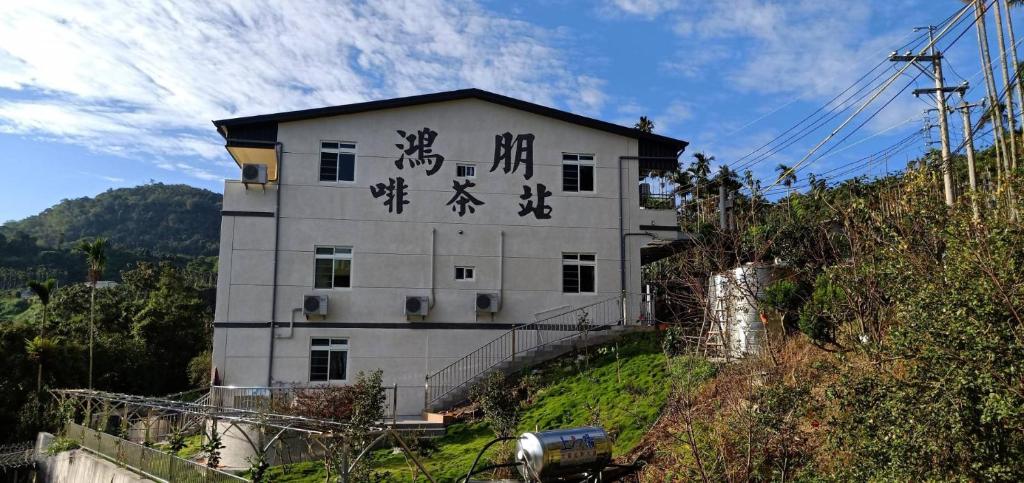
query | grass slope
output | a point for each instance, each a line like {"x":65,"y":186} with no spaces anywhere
{"x":623,"y":394}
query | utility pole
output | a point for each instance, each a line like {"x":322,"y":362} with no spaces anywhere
{"x":965,"y":112}
{"x":940,"y":90}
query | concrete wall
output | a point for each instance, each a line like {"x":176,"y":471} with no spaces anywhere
{"x":393,"y":254}
{"x":79,"y":466}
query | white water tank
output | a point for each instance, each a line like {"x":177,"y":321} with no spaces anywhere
{"x":734,"y":313}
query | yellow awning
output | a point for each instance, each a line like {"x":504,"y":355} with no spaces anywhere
{"x":245,"y":152}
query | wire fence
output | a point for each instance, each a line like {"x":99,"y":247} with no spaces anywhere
{"x":148,"y":461}
{"x":282,"y":398}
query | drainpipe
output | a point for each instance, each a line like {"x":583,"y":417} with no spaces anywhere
{"x":433,"y":235}
{"x":622,"y":245}
{"x":501,"y":264}
{"x":277,"y":237}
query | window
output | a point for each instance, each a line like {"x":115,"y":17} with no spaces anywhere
{"x":337,"y":161}
{"x":465,"y":273}
{"x":465,"y":170}
{"x":333,"y":267}
{"x":328,"y":360}
{"x":577,"y":172}
{"x":578,"y":272}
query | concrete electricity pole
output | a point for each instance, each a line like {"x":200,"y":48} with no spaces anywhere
{"x":940,"y":90}
{"x":965,"y":112}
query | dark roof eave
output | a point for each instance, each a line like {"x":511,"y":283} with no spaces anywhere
{"x":304,"y":114}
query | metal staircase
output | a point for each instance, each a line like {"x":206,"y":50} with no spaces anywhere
{"x":530,"y":344}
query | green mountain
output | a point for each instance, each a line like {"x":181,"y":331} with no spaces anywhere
{"x":151,"y":222}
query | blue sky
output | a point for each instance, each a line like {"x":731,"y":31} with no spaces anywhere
{"x":99,"y":95}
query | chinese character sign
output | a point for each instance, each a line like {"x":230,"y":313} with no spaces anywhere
{"x":510,"y":153}
{"x":418,"y":149}
{"x":394,"y":193}
{"x":462,"y":200}
{"x":539,"y":210}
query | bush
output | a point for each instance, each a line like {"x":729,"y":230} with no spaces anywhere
{"x":60,"y":445}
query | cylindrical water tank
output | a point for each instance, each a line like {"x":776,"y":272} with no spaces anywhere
{"x":552,"y":454}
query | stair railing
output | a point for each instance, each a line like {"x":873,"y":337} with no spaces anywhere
{"x":523,"y":338}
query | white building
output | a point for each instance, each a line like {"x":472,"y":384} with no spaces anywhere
{"x":439,"y":204}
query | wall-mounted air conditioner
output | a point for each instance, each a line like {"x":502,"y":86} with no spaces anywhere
{"x":417,"y":305}
{"x":489,"y":302}
{"x":254,"y":173}
{"x":314,"y":305}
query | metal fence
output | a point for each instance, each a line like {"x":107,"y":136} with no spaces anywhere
{"x":527,"y":337}
{"x":148,"y":461}
{"x":279,"y":399}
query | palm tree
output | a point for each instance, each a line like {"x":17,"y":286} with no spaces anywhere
{"x":40,"y":350}
{"x":43,"y":291}
{"x":682,"y":185}
{"x":96,"y":260}
{"x":754,"y":185}
{"x":644,"y":124}
{"x":787,"y":176}
{"x":700,"y":169}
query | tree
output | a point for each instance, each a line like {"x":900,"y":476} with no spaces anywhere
{"x":644,"y":124}
{"x":42,"y":290}
{"x":787,"y":176}
{"x":700,"y":169}
{"x":96,"y":260}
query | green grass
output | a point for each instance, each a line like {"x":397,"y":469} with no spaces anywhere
{"x":11,"y":307}
{"x":193,"y":445}
{"x":623,"y":398}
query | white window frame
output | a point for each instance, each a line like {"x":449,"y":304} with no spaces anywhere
{"x":339,"y":253}
{"x":578,"y":162}
{"x":334,"y":345}
{"x":465,"y":165}
{"x":576,"y":259}
{"x":464,"y":268}
{"x":344,"y":147}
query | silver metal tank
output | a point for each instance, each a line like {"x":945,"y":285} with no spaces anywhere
{"x":548,"y":455}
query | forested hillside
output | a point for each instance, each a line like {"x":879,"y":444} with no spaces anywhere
{"x":157,"y":218}
{"x":153,"y":222}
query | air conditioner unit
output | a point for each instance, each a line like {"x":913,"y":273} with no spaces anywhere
{"x":314,"y":305}
{"x":417,"y":305}
{"x":254,"y":173}
{"x":488,"y":302}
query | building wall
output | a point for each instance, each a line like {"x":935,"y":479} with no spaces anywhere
{"x":393,"y":253}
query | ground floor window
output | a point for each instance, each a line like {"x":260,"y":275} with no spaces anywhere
{"x":328,"y":360}
{"x":579,"y":272}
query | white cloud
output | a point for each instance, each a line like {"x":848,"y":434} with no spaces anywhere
{"x":128,"y":78}
{"x":644,"y":8}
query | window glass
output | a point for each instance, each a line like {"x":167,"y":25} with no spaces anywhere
{"x":464,"y":273}
{"x":577,"y":172}
{"x":465,"y":170}
{"x":579,"y":273}
{"x":332,"y":267}
{"x":328,"y":360}
{"x":337,"y":161}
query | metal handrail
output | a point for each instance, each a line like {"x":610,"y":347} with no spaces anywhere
{"x":522,"y":338}
{"x":264,"y":399}
{"x":658,"y":201}
{"x":147,"y":461}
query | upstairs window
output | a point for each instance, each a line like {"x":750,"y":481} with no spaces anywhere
{"x":337,"y":161}
{"x":465,"y":170}
{"x":333,"y":267}
{"x":328,"y":360}
{"x":577,"y":173}
{"x":579,"y":272}
{"x":465,"y":273}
